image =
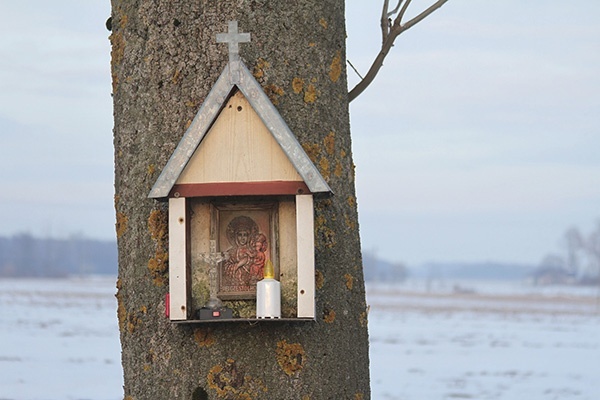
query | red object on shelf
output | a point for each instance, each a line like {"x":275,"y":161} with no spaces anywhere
{"x":167,"y":304}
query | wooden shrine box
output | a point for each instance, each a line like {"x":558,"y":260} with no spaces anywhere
{"x":239,"y":181}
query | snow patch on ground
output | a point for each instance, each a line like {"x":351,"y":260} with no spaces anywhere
{"x":59,"y":340}
{"x":476,"y":340}
{"x":484,"y":343}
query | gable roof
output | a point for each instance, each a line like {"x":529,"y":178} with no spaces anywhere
{"x":236,"y":75}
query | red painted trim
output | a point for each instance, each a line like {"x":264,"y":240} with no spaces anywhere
{"x":239,"y":189}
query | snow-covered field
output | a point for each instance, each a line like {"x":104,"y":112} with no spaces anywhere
{"x":484,"y":342}
{"x":59,"y":340}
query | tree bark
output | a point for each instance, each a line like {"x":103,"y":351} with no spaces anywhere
{"x":165,"y":60}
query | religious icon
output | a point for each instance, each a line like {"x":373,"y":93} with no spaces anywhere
{"x":246,"y":237}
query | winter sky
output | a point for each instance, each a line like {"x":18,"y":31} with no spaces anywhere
{"x":479,"y":140}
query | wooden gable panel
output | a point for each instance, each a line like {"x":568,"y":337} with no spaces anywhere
{"x":238,"y":148}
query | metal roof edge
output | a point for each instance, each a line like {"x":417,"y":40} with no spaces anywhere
{"x":281,"y":132}
{"x":235,"y":74}
{"x":203,"y":120}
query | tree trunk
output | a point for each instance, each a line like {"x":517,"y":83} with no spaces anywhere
{"x":165,"y":60}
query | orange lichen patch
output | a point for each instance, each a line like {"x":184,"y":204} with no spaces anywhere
{"x":359,"y":396}
{"x":290,"y":357}
{"x":128,"y":322}
{"x":329,"y":142}
{"x":323,"y":23}
{"x":159,"y":229}
{"x":324,"y":166}
{"x":117,"y":52}
{"x":133,"y":321}
{"x":349,"y":281}
{"x":312,"y":150}
{"x":320,"y":221}
{"x":121,"y":225}
{"x":115,"y":84}
{"x":230,"y":382}
{"x":323,"y":204}
{"x":319,"y":279}
{"x":343,"y":153}
{"x":329,"y":316}
{"x":123,"y":20}
{"x":192,"y":103}
{"x":335,"y":69}
{"x":306,"y":397}
{"x":188,"y":123}
{"x":121,"y":311}
{"x":175,"y":77}
{"x":151,"y":169}
{"x":351,"y":201}
{"x":158,"y":225}
{"x":259,"y":68}
{"x":328,"y":236}
{"x":297,"y":85}
{"x":204,"y":337}
{"x":310,"y":95}
{"x":147,"y":367}
{"x":158,"y":266}
{"x":339,"y":170}
{"x":312,"y":44}
{"x":128,"y":398}
{"x":214,"y":380}
{"x":363,"y":319}
{"x":273,"y":92}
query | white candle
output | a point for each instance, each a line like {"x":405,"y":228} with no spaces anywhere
{"x":268,"y":295}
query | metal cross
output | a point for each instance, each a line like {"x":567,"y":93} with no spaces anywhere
{"x":213,"y":258}
{"x":234,"y":38}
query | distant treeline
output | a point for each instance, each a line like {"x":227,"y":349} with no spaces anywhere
{"x":486,"y":270}
{"x":23,"y":255}
{"x":379,"y":270}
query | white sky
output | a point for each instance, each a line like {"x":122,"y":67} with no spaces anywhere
{"x":478,"y":140}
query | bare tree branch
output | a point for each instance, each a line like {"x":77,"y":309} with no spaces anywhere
{"x":385,"y":24}
{"x":386,"y":21}
{"x":424,"y":14}
{"x":355,"y":70}
{"x":398,"y":20}
{"x":389,"y":35}
{"x":395,"y":10}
